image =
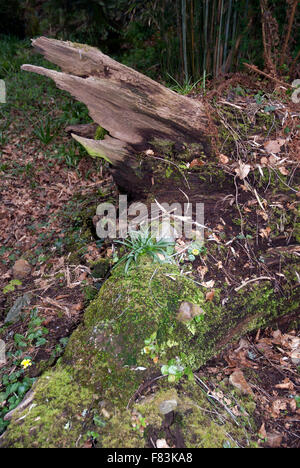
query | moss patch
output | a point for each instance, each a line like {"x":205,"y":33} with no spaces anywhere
{"x":194,"y":421}
{"x":106,"y":358}
{"x":61,"y":410}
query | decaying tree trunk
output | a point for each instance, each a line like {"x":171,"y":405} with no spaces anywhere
{"x":136,"y":111}
{"x":150,"y":128}
{"x":105,"y":360}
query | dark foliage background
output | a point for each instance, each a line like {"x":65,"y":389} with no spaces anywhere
{"x":182,"y":40}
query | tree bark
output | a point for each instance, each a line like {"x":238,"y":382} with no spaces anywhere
{"x":136,"y":111}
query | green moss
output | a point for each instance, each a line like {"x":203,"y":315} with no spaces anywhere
{"x":100,"y":267}
{"x":96,"y":153}
{"x":105,"y":355}
{"x":146,"y":301}
{"x":61,"y":409}
{"x":100,"y":133}
{"x":193,"y":419}
{"x":89,"y":292}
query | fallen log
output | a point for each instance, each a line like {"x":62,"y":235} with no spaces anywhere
{"x":138,"y":323}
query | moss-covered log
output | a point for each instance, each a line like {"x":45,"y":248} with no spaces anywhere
{"x":137,"y":324}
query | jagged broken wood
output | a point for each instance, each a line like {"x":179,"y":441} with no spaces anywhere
{"x":135,"y":110}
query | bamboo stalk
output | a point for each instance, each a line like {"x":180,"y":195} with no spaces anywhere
{"x":227,"y":34}
{"x":179,"y":32}
{"x":219,"y":39}
{"x":205,"y":36}
{"x":212,"y":33}
{"x":185,"y":61}
{"x":192,"y":38}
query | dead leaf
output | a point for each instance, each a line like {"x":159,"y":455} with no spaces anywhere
{"x":293,"y":405}
{"x":262,"y":431}
{"x":243,"y":170}
{"x":263,"y":214}
{"x":273,"y":160}
{"x":88,"y":444}
{"x":273,"y":146}
{"x":264,"y":233}
{"x":208,"y":284}
{"x":223,"y":159}
{"x":202,"y":270}
{"x":295,"y":357}
{"x":264,"y":161}
{"x":277,"y":406}
{"x":197,"y":162}
{"x":283,"y":170}
{"x":286,"y":384}
{"x":105,"y":413}
{"x":273,"y":440}
{"x":238,"y":381}
{"x":210,"y":295}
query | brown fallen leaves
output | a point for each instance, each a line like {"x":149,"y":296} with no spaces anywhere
{"x":264,"y":367}
{"x":274,"y":146}
{"x":238,"y":381}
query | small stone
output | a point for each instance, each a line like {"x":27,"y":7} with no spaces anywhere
{"x":295,"y":357}
{"x":16,"y":310}
{"x":167,"y":406}
{"x":187,"y":311}
{"x":161,"y":443}
{"x":21,"y":269}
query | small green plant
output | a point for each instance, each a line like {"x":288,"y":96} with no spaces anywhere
{"x":259,"y":98}
{"x":46,"y":132}
{"x":58,"y":350}
{"x":3,"y":138}
{"x":92,"y":435}
{"x":195,"y":250}
{"x":98,"y":421}
{"x":239,"y":91}
{"x":35,"y":333}
{"x":13,"y":387}
{"x":151,"y":347}
{"x":186,"y":87}
{"x":139,"y":423}
{"x":100,"y":133}
{"x":175,"y":370}
{"x":11,"y":286}
{"x":143,"y":243}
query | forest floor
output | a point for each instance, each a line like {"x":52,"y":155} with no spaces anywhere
{"x":49,"y":192}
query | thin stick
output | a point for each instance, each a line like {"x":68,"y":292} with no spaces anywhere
{"x":252,"y":280}
{"x":256,"y":70}
{"x":288,"y":35}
